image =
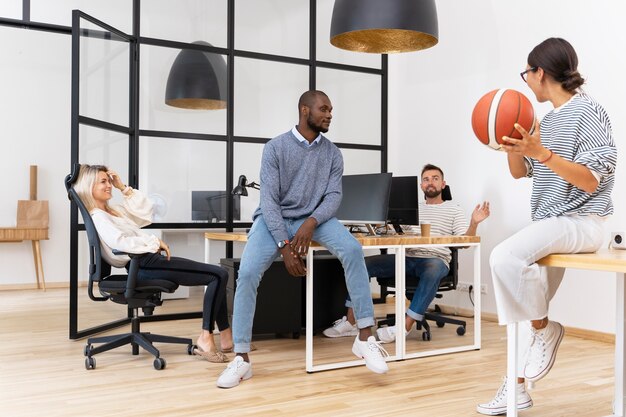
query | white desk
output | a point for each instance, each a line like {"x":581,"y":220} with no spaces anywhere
{"x":603,"y":260}
{"x":398,"y":243}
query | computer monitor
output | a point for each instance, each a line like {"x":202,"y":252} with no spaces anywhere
{"x":403,"y":206}
{"x":210,"y":206}
{"x":365,"y":200}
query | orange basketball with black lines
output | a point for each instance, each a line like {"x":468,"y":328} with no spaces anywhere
{"x":496,"y":113}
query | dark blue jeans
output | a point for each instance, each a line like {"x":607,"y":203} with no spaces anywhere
{"x":429,"y":270}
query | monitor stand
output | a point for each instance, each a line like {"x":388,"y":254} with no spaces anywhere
{"x":397,"y":228}
{"x":371,"y":230}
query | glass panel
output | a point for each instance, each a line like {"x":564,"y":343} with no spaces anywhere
{"x":261,"y":26}
{"x":266,"y":96}
{"x":104,"y":75}
{"x":186,"y":20}
{"x":248,"y":163}
{"x":356,"y":105}
{"x":356,"y":161}
{"x":117,"y":13}
{"x":104,"y":147}
{"x":11,"y":9}
{"x":155,"y":65}
{"x":172,"y":172}
{"x":327,"y":52}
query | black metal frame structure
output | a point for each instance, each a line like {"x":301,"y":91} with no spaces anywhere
{"x":134,"y":133}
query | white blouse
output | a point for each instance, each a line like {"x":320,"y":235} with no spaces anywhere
{"x":124,"y":233}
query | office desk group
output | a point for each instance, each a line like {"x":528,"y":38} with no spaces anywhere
{"x":399,"y":244}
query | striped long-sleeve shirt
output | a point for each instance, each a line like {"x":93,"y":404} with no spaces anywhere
{"x":579,"y":131}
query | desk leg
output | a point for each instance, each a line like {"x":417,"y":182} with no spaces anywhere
{"x":477,"y":298}
{"x":38,"y":264}
{"x":619,"y":403}
{"x":309,"y":310}
{"x":511,"y":369}
{"x":400,"y":304}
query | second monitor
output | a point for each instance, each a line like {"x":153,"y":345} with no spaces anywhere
{"x":403,"y":206}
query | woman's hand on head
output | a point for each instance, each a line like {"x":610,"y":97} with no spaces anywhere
{"x":163,"y":247}
{"x":529,"y":145}
{"x":116,"y":180}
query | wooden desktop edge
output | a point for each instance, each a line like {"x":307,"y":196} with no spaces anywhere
{"x":365,"y":240}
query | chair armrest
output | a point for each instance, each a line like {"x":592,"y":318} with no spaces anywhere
{"x":133,"y":269}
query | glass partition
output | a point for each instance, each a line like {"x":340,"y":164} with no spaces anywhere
{"x":283,"y":30}
{"x":154,"y":114}
{"x":266,"y":96}
{"x":104,"y":80}
{"x":356,"y":105}
{"x":186,"y":20}
{"x":174,"y":172}
{"x":117,"y":13}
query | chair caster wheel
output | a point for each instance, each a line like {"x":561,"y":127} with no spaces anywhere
{"x":87,"y":349}
{"x":90,"y":363}
{"x":191,"y":349}
{"x":159,"y":363}
{"x":440,"y":324}
{"x":460,"y":330}
{"x":426,"y":336}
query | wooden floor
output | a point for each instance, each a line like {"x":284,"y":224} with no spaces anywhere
{"x":42,"y":374}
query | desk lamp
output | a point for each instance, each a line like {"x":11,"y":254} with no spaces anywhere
{"x":243,"y":184}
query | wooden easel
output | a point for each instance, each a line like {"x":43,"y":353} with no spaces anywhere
{"x":32,"y":224}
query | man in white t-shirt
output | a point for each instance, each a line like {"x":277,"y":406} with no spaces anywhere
{"x":430,"y":264}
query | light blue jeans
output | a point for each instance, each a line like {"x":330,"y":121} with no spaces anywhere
{"x":261,"y":250}
{"x":429,"y":270}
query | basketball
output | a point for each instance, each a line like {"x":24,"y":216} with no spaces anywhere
{"x":496,"y":113}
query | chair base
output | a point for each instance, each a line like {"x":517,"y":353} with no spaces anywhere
{"x":437,"y":317}
{"x":135,"y":339}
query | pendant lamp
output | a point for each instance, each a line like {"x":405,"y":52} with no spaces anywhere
{"x":384,"y":26}
{"x":197,"y":80}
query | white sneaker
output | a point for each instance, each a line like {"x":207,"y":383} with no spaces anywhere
{"x":542,"y":351}
{"x":341,"y":328}
{"x":373,"y":353}
{"x":236,"y":371}
{"x":497,"y":406}
{"x":387,"y":334}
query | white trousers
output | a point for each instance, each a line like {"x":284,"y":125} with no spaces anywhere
{"x":523,"y":290}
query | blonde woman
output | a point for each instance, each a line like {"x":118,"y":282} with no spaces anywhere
{"x":119,"y":228}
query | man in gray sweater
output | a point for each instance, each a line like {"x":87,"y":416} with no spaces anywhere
{"x":301,"y":174}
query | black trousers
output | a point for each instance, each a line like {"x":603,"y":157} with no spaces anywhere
{"x":191,"y":273}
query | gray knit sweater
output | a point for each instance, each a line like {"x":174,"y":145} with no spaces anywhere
{"x":298,"y":181}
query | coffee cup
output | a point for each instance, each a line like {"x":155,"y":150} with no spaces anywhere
{"x":425,"y":229}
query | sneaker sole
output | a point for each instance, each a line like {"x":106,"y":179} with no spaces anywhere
{"x":351,"y":334}
{"x":377,"y":371}
{"x":550,"y":363}
{"x":502,"y":411}
{"x":248,"y":375}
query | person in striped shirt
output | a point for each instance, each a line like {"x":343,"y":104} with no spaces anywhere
{"x":430,"y":264}
{"x":571,"y":158}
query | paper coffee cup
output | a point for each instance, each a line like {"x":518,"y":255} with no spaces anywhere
{"x":425,"y":229}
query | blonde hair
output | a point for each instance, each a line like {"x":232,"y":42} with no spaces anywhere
{"x":87,"y":177}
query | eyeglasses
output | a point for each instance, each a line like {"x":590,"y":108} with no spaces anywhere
{"x":524,"y":74}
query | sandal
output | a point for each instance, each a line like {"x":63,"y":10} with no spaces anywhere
{"x":215,"y":357}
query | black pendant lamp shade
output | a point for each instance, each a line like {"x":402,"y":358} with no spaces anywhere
{"x":384,"y":26}
{"x":197,"y":80}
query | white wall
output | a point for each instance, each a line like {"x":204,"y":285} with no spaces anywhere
{"x":483,"y":45}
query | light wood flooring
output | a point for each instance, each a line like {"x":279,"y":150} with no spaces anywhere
{"x":42,"y":373}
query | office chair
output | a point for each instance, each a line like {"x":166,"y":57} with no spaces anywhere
{"x":122,"y":289}
{"x":448,"y":283}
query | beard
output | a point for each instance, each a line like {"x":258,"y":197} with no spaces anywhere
{"x":432,"y":192}
{"x":315,"y":127}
